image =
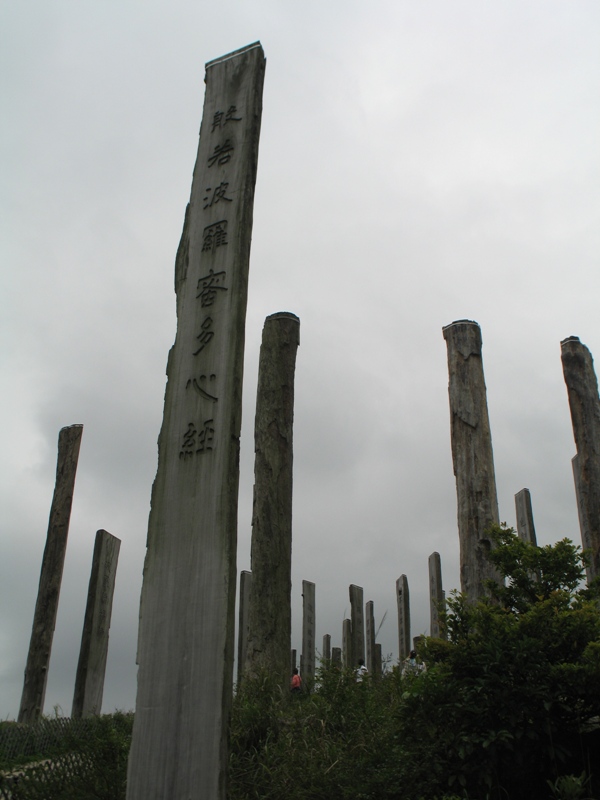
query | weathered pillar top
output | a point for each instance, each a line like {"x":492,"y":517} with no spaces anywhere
{"x":293,"y":330}
{"x":466,"y":336}
{"x":571,"y":339}
{"x":283,"y":315}
{"x":235,"y":53}
{"x":461,"y":322}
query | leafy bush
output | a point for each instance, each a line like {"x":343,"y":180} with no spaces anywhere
{"x":509,"y":705}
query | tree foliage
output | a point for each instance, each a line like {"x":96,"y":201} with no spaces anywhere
{"x":509,"y":705}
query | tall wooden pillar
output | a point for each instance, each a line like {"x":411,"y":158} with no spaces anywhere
{"x":582,"y":388}
{"x":403,"y":601}
{"x":524,"y":510}
{"x":308,"y":634}
{"x":91,"y":668}
{"x":269,"y":613}
{"x":357,"y":616}
{"x":436,"y":596}
{"x":472,"y":455}
{"x":186,"y":635}
{"x":46,"y":608}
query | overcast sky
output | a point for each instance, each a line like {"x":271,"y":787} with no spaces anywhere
{"x":419,"y":163}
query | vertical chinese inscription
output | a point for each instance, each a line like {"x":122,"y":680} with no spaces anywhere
{"x":187,"y":612}
{"x":198,"y":438}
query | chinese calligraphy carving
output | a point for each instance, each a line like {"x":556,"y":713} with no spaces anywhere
{"x":221,"y":118}
{"x":198,"y":384}
{"x":209,"y":286}
{"x":221,"y":154}
{"x":214,"y":236}
{"x":218,"y":194}
{"x":197,"y":441}
{"x":205,"y":335}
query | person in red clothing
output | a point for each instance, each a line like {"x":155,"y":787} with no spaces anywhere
{"x":296,"y":687}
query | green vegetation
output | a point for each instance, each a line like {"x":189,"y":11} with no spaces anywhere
{"x":509,"y":706}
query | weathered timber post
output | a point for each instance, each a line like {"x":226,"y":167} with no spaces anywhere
{"x":472,"y":455}
{"x":524,"y":511}
{"x":46,"y":607}
{"x":403,"y":600}
{"x":326,"y":654}
{"x":370,"y":623}
{"x":91,"y":668}
{"x":347,"y":644}
{"x":308,"y":634}
{"x":581,"y":513}
{"x":582,"y":388}
{"x":270,"y":614}
{"x":245,"y":584}
{"x":357,"y":617}
{"x":436,"y":597}
{"x":187,"y":613}
{"x":378,"y":661}
{"x":336,"y":656}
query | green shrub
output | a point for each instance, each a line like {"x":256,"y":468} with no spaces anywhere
{"x":508,"y":706}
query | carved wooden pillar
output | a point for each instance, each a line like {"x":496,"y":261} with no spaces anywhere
{"x":46,"y":608}
{"x":186,"y":635}
{"x":523,"y":507}
{"x":582,"y":388}
{"x":370,"y":639}
{"x":471,"y":455}
{"x":245,"y":584}
{"x":347,"y":644}
{"x":436,"y":596}
{"x":308,"y":634}
{"x":326,"y":655}
{"x":269,"y":613}
{"x":403,"y":601}
{"x":357,"y":616}
{"x":91,"y":668}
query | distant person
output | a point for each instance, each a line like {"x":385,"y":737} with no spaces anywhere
{"x":296,"y":687}
{"x":361,"y":671}
{"x":413,"y":664}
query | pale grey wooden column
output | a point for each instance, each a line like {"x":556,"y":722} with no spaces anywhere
{"x":187,"y":614}
{"x":377,"y":661}
{"x":472,"y":455}
{"x":436,"y":596}
{"x":582,"y":514}
{"x":91,"y":668}
{"x":308,"y":634}
{"x":582,"y":389}
{"x":357,"y":616}
{"x":347,"y":644}
{"x":370,"y":637}
{"x":524,"y":512}
{"x":245,"y":583}
{"x":403,"y":601}
{"x":269,"y":611}
{"x":53,"y":560}
{"x":326,"y":655}
{"x":336,"y":656}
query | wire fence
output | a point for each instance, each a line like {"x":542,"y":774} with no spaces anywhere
{"x":65,"y":759}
